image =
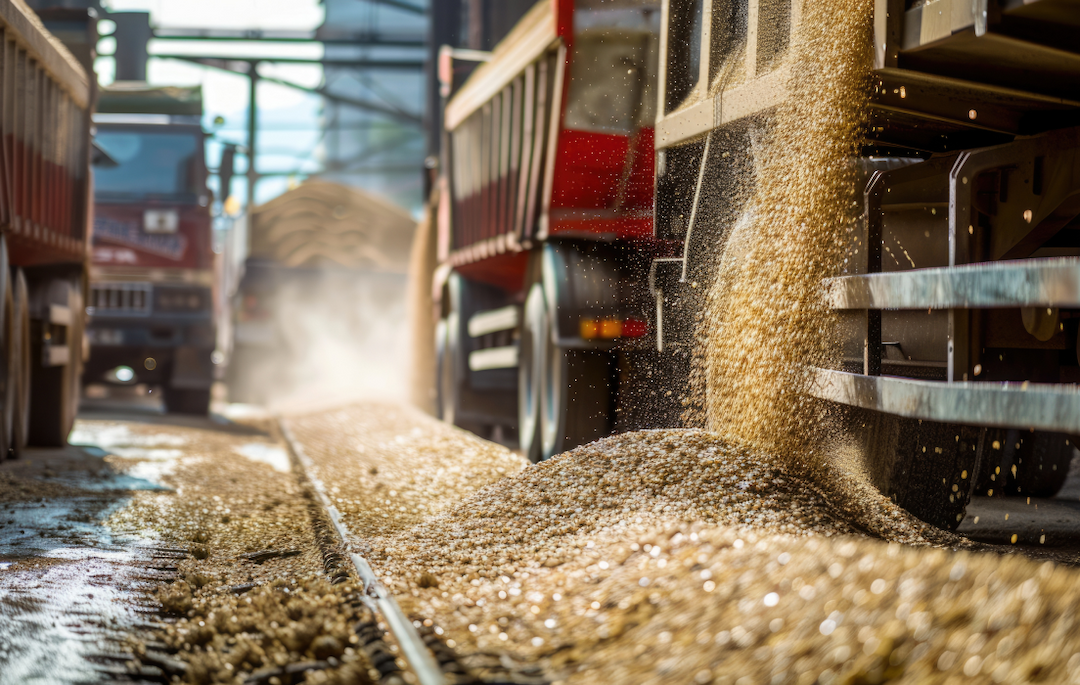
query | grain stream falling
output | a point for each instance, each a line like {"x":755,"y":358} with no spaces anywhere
{"x":766,"y":324}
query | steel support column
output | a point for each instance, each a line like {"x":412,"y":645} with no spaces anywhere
{"x":252,"y":140}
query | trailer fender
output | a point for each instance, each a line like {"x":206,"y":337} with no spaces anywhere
{"x":467,"y":298}
{"x":580,"y":280}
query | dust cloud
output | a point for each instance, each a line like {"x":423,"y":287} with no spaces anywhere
{"x":331,"y":336}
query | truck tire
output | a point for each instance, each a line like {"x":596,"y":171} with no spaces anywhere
{"x":193,"y":402}
{"x":575,"y":397}
{"x":534,"y":332}
{"x":10,"y":370}
{"x":448,"y":383}
{"x":76,"y":334}
{"x":1024,"y":463}
{"x":926,"y":468}
{"x":20,"y":350}
{"x":54,"y":389}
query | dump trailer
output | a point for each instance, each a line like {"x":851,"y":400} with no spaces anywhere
{"x":545,"y":228}
{"x":44,"y":219}
{"x":151,"y":300}
{"x":959,"y":318}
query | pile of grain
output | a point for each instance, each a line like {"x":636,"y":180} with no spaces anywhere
{"x":813,"y":610}
{"x":672,"y":556}
{"x":628,"y":482}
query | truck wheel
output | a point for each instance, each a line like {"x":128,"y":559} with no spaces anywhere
{"x":53,"y":392}
{"x":927,"y":468}
{"x":20,"y":351}
{"x":449,"y":390}
{"x":440,"y":368}
{"x":187,"y":401}
{"x":575,"y":397}
{"x":1023,"y":463}
{"x":9,"y":369}
{"x":531,"y":370}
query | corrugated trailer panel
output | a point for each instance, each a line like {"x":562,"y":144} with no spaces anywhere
{"x":44,"y":143}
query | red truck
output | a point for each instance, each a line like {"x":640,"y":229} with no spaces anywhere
{"x":45,"y":151}
{"x":151,"y":301}
{"x":545,"y":226}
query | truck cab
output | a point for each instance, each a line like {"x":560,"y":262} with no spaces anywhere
{"x":151,"y":302}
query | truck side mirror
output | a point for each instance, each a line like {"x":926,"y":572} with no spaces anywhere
{"x":226,"y":170}
{"x":100,"y":157}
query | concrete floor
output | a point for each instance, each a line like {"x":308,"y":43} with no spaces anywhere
{"x":1050,"y":522}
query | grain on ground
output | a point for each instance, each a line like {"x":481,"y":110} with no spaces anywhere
{"x":671,"y":556}
{"x":388,"y":467}
{"x":232,"y":494}
{"x":14,"y":488}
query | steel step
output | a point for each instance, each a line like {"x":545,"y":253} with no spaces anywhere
{"x":1041,"y":406}
{"x":1049,"y":282}
{"x":494,"y":358}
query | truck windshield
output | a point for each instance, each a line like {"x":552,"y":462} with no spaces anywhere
{"x":611,"y":86}
{"x":149,"y":165}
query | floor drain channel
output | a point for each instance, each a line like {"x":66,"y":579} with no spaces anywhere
{"x":430,"y":666}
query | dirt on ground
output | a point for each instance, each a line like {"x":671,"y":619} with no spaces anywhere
{"x":17,"y":489}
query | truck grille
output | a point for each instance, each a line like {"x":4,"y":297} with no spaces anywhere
{"x":119,"y":298}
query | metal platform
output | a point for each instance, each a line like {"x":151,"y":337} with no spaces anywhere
{"x":1007,"y":405}
{"x":1053,"y":282}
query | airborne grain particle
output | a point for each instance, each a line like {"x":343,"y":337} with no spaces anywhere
{"x":766,"y":324}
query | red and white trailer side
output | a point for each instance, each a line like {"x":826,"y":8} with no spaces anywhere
{"x":45,"y":208}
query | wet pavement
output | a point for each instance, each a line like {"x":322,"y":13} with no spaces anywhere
{"x":77,"y":578}
{"x":71,"y":590}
